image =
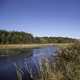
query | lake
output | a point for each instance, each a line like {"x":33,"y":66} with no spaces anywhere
{"x":24,"y":63}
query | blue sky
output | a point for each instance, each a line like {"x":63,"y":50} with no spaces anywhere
{"x":41,"y":17}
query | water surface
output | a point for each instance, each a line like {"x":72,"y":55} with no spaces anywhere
{"x":27,"y":60}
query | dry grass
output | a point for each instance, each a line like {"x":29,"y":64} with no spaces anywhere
{"x":13,"y":46}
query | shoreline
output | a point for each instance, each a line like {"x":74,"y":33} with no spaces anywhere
{"x":20,"y":46}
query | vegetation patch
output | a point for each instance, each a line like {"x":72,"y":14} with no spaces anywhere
{"x":15,"y":37}
{"x":68,"y":62}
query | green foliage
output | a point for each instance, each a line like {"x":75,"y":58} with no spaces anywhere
{"x":14,"y":37}
{"x":56,"y":40}
{"x":37,"y":40}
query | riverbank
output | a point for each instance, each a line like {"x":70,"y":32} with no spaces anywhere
{"x":14,"y":46}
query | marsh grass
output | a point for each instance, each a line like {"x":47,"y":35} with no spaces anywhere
{"x":68,"y":62}
{"x":18,"y":72}
{"x":65,"y":67}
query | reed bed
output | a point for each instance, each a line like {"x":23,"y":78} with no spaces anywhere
{"x":65,"y":67}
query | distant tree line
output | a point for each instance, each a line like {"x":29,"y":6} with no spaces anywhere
{"x":14,"y":37}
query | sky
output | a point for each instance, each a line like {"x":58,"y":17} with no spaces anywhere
{"x":41,"y":17}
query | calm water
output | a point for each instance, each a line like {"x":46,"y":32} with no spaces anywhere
{"x":27,"y":60}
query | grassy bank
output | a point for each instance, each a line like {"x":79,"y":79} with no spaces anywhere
{"x":14,"y":46}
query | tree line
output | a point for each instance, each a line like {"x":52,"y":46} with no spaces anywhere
{"x":15,"y":37}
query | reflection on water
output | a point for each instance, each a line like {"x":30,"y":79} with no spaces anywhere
{"x":15,"y":52}
{"x":26,"y":61}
